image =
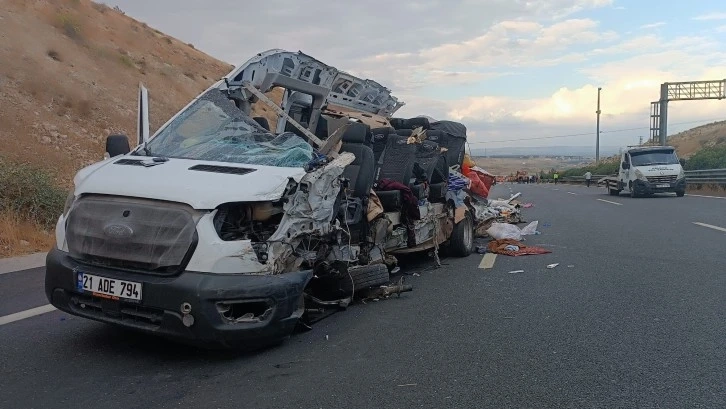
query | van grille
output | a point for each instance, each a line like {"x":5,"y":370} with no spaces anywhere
{"x":662,"y":179}
{"x":133,"y":234}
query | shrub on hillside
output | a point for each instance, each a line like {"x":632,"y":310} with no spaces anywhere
{"x":70,"y":25}
{"x":708,"y":158}
{"x":30,"y":193}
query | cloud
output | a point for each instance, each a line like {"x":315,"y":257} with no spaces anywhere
{"x":628,"y":87}
{"x":507,"y":68}
{"x":652,"y":25}
{"x":711,"y":16}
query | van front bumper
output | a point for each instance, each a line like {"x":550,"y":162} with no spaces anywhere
{"x":228,"y":310}
{"x":643,"y":187}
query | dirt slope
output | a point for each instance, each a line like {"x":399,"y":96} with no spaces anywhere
{"x":69,"y":75}
{"x":705,"y":136}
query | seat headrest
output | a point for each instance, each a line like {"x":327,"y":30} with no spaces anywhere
{"x":356,"y":133}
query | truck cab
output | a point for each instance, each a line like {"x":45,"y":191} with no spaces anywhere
{"x":644,"y":171}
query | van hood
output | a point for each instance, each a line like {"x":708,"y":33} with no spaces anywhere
{"x":202,"y":185}
{"x":660,"y":170}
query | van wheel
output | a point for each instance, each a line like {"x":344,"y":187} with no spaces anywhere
{"x":462,"y":238}
{"x":614,"y":192}
{"x":364,"y":277}
{"x":681,"y":193}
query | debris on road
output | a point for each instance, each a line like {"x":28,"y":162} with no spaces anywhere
{"x":551,"y":266}
{"x":500,"y":247}
{"x":500,"y":231}
{"x":516,"y":272}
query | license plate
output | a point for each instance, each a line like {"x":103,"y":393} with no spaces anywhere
{"x":663,"y":185}
{"x":109,"y":288}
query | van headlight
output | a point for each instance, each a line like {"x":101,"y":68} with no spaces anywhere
{"x":69,"y":202}
{"x":640,"y":176}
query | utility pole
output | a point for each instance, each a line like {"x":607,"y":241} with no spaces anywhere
{"x":597,"y":131}
{"x":641,"y":141}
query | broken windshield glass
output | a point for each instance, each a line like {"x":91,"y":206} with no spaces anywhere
{"x":214,"y":129}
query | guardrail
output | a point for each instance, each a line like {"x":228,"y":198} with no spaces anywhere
{"x":706,"y":177}
{"x":693,"y":177}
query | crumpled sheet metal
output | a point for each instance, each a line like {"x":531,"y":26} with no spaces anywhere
{"x":309,"y":211}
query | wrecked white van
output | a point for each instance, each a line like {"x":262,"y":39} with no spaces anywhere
{"x":218,"y":232}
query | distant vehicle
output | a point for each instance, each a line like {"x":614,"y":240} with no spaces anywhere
{"x":644,"y":171}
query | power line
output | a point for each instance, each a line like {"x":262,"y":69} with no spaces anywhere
{"x":590,"y":133}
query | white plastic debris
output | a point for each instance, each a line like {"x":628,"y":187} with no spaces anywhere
{"x":500,"y":231}
{"x":530,"y":229}
{"x":550,"y":266}
{"x":516,"y":272}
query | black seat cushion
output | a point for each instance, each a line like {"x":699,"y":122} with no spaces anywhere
{"x":419,"y":191}
{"x":357,"y":133}
{"x":391,"y":200}
{"x":396,"y":162}
{"x":360,"y":172}
{"x":437,"y":192}
{"x":453,"y":138}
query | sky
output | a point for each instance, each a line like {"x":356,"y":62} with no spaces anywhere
{"x":515,"y":72}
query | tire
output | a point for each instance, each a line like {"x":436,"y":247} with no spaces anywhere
{"x":633,"y":194}
{"x":614,"y":192}
{"x":364,"y":277}
{"x":117,"y":145}
{"x":680,"y":193}
{"x":462,"y":238}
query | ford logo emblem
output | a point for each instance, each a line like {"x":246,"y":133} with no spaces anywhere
{"x":118,"y":231}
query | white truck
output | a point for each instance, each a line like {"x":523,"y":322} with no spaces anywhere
{"x":646,"y":170}
{"x":218,"y":232}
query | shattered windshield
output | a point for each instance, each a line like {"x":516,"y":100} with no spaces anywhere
{"x":214,"y":129}
{"x":667,"y":157}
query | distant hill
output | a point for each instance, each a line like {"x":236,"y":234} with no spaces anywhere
{"x":69,"y":75}
{"x":705,"y":136}
{"x":582,"y":151}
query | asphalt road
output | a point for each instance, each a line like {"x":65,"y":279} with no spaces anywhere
{"x":633,"y":317}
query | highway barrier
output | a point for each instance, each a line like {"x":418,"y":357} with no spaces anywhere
{"x":693,"y":177}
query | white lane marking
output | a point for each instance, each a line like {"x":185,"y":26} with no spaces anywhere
{"x":487,"y":261}
{"x":570,"y":193}
{"x":607,"y":201}
{"x":26,"y":314}
{"x":710,"y":226}
{"x":709,"y":197}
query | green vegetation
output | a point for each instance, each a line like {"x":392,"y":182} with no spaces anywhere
{"x":708,"y":158}
{"x":127,"y":61}
{"x":70,"y":25}
{"x":30,"y":193}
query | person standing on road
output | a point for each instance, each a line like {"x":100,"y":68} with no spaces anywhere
{"x":588,"y":178}
{"x":556,"y":176}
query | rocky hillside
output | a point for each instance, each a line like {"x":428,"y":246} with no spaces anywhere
{"x":706,"y":136}
{"x":69,"y":75}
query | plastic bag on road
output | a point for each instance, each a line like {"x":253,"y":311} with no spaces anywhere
{"x":500,"y":231}
{"x":530,"y":229}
